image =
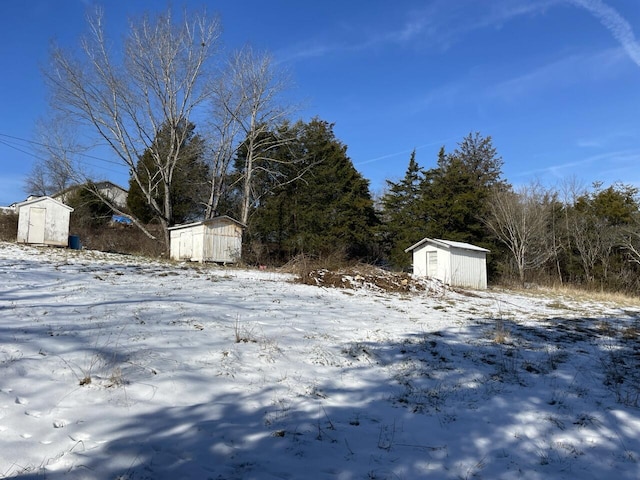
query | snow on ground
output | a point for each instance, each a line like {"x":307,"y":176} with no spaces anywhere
{"x":120,"y":367}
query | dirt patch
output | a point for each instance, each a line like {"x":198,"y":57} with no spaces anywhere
{"x":370,"y":278}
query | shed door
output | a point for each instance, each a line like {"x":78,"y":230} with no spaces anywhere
{"x":432,"y":264}
{"x":36,"y":225}
{"x":186,"y":246}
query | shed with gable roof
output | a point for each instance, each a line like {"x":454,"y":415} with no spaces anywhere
{"x":457,"y":264}
{"x":215,"y":240}
{"x":43,"y":221}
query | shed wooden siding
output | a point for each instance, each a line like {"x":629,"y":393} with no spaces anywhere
{"x":215,"y":240}
{"x":468,"y":268}
{"x":454,"y":263}
{"x":222,"y":241}
{"x":43,"y":221}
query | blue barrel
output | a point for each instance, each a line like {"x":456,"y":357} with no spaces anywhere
{"x":74,"y":242}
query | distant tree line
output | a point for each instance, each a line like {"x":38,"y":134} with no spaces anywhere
{"x":570,"y":234}
{"x":292,"y":183}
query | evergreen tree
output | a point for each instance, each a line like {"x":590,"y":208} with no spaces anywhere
{"x":456,"y":191}
{"x":403,"y":215}
{"x":88,"y":209}
{"x":616,"y":203}
{"x":188,"y":186}
{"x":324,"y":206}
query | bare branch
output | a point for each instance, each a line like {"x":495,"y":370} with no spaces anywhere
{"x":247,"y":96}
{"x":156,"y":82}
{"x":520,"y":221}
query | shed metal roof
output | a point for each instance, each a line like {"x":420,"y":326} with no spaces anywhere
{"x":211,"y":220}
{"x":448,"y":244}
{"x":42,"y":199}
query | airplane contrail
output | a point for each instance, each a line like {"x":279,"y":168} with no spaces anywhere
{"x":615,"y":23}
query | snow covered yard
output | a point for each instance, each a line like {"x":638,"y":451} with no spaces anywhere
{"x":120,"y":367}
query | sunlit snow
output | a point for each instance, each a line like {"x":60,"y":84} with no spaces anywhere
{"x":119,"y":367}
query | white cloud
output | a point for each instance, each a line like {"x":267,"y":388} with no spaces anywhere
{"x":606,"y":140}
{"x":561,"y":73}
{"x":436,"y":26}
{"x":609,"y":163}
{"x":615,"y":23}
{"x":305,"y":51}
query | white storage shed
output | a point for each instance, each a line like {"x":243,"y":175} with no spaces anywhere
{"x":216,"y":240}
{"x":454,"y":263}
{"x":43,"y":221}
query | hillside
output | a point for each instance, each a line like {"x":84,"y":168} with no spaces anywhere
{"x":120,"y":367}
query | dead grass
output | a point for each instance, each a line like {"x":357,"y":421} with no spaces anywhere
{"x":569,"y":293}
{"x":500,"y":334}
{"x":631,"y":333}
{"x":558,"y":305}
{"x":578,"y":294}
{"x":121,"y":239}
{"x":302,"y":264}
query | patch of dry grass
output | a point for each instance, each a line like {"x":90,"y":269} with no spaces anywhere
{"x":121,"y":239}
{"x":560,"y":295}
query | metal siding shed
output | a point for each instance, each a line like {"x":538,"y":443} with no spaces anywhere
{"x":215,"y":240}
{"x":43,"y":221}
{"x":457,"y":264}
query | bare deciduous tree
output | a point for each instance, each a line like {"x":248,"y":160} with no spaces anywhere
{"x":126,"y":98}
{"x":223,"y":141}
{"x":520,"y":220}
{"x":629,"y":239}
{"x":248,"y":95}
{"x":593,"y":238}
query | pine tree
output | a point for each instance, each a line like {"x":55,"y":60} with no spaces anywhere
{"x":325,"y":208}
{"x":457,"y":190}
{"x":404,"y":220}
{"x":188,"y":186}
{"x":89,"y":210}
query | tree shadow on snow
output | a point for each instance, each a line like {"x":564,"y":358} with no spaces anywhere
{"x":489,"y":399}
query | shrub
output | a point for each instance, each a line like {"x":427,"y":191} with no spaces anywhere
{"x":121,"y":239}
{"x":8,"y":227}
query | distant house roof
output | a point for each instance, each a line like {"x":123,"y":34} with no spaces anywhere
{"x":210,"y":220}
{"x":14,"y":205}
{"x":99,"y":186}
{"x":33,"y":200}
{"x":7,"y":210}
{"x":448,"y":244}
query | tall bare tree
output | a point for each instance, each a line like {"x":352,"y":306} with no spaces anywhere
{"x":126,"y":97}
{"x":248,"y":94}
{"x":593,"y":238}
{"x":520,"y":220}
{"x":223,"y":140}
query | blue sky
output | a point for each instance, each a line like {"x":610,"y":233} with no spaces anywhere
{"x":555,"y":83}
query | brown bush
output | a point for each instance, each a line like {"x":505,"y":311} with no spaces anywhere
{"x":302,"y":264}
{"x":8,"y":227}
{"x":121,"y":239}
